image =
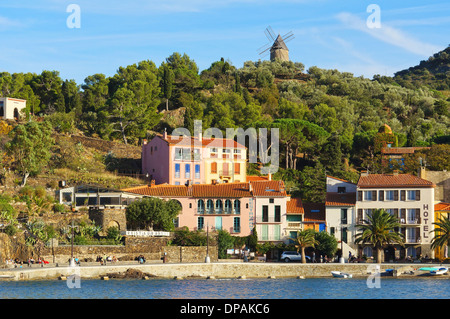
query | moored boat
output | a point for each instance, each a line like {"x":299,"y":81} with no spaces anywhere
{"x":439,"y":271}
{"x":339,"y":274}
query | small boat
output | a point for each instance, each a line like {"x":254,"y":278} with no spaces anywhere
{"x":339,"y":274}
{"x":439,"y":271}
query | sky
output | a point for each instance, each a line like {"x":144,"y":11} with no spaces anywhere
{"x":357,"y":36}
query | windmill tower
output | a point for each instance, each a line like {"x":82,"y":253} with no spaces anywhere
{"x":277,"y":45}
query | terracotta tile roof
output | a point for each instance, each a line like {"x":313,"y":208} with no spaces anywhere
{"x":340,"y":199}
{"x":225,"y":190}
{"x":314,"y":212}
{"x":442,"y":207}
{"x":392,"y":180}
{"x":257,"y":178}
{"x":294,"y":206}
{"x":268,"y":188}
{"x":163,"y":190}
{"x":206,"y":142}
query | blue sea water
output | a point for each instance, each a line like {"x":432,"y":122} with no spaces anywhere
{"x":313,"y":288}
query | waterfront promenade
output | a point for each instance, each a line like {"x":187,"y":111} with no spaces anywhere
{"x":212,"y":270}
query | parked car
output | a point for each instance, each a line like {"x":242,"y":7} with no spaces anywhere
{"x":289,"y":256}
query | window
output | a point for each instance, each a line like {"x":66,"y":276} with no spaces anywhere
{"x":344,"y":235}
{"x":344,"y":216}
{"x":411,"y":195}
{"x":200,"y":206}
{"x":236,"y":225}
{"x":265,"y":213}
{"x":237,"y":168}
{"x":197,"y":154}
{"x":237,"y":206}
{"x":264,"y":232}
{"x":370,"y":195}
{"x":177,"y":170}
{"x":178,"y":154}
{"x":341,"y":190}
{"x":214,"y":168}
{"x":200,"y":223}
{"x":187,"y":171}
{"x":219,"y":206}
{"x":197,"y":171}
{"x":210,"y":207}
{"x":389,"y":195}
{"x":271,"y":200}
{"x":227,"y":206}
{"x":277,"y":213}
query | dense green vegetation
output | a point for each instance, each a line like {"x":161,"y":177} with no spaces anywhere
{"x":329,"y":120}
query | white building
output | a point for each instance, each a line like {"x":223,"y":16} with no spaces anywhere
{"x":410,"y":199}
{"x":269,"y":200}
{"x":341,"y":213}
{"x":10,"y":108}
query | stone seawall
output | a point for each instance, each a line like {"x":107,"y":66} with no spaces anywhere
{"x":216,"y":270}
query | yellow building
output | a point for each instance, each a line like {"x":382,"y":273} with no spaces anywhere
{"x":441,"y":210}
{"x":225,"y":161}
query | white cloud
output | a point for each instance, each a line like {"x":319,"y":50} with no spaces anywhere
{"x":389,"y":35}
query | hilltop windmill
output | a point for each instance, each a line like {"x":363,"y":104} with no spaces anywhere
{"x":277,"y":45}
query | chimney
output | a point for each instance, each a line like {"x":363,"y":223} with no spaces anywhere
{"x":152,"y":183}
{"x":165,"y":134}
{"x":145,"y":141}
{"x":250,"y":188}
{"x":422,"y":172}
{"x":395,"y":172}
{"x":270,"y":176}
{"x":364,"y":173}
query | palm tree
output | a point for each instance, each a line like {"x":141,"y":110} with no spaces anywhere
{"x":379,"y":230}
{"x":305,"y":238}
{"x":442,"y":233}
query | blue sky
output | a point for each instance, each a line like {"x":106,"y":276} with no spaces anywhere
{"x":329,"y":34}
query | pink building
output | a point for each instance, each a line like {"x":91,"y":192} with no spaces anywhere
{"x":178,"y":160}
{"x":234,"y":207}
{"x":220,"y":206}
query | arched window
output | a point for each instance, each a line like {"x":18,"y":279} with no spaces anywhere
{"x":228,"y":206}
{"x":16,"y":113}
{"x":237,"y":206}
{"x":368,"y":251}
{"x":200,"y":206}
{"x":210,"y":207}
{"x":219,"y":206}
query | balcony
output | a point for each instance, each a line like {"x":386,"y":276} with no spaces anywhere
{"x":295,"y":225}
{"x":415,"y":221}
{"x":225,"y":173}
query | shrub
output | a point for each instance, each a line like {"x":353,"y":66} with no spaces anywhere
{"x":10,"y":230}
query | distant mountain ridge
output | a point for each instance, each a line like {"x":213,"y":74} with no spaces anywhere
{"x":434,"y":73}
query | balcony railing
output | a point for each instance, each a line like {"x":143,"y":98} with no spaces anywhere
{"x":294,"y":225}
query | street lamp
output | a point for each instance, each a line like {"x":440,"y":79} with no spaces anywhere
{"x":207,"y":259}
{"x":72,"y":260}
